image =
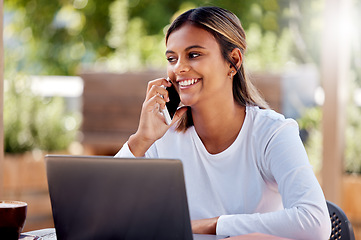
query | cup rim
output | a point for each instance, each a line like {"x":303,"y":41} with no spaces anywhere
{"x":19,"y":203}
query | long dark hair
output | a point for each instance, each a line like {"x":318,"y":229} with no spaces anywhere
{"x":228,"y":32}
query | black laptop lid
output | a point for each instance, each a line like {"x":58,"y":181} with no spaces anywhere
{"x":112,"y":198}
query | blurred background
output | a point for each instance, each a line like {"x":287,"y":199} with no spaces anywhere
{"x":76,"y":71}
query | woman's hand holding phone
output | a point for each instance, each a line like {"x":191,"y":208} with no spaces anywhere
{"x":152,"y":124}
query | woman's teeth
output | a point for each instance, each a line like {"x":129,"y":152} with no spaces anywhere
{"x":189,"y":82}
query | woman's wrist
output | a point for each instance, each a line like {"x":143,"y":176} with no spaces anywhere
{"x":205,"y":226}
{"x":138,"y":145}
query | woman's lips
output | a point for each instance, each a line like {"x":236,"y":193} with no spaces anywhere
{"x":188,"y":82}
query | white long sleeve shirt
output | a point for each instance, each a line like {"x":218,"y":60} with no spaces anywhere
{"x":263,"y":182}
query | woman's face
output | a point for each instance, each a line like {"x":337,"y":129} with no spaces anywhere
{"x":196,"y":66}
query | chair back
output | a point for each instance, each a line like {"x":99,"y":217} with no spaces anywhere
{"x":341,"y":226}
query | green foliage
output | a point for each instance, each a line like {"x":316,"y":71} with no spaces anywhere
{"x":270,"y":43}
{"x":353,"y":138}
{"x":268,"y":51}
{"x":55,"y":36}
{"x":33,"y":122}
{"x":61,"y":37}
{"x":311,"y":122}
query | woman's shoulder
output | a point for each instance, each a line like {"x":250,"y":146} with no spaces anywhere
{"x":268,"y":120}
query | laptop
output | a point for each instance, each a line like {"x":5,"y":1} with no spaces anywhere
{"x":98,"y":197}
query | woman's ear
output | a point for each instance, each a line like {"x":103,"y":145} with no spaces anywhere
{"x":236,"y":58}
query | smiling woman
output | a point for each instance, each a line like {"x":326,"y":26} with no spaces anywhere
{"x":192,"y":54}
{"x":216,"y":34}
{"x":245,"y":167}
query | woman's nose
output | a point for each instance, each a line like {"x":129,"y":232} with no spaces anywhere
{"x":181,"y":66}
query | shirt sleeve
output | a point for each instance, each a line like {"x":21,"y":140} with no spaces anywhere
{"x":305,"y":214}
{"x":125,"y":152}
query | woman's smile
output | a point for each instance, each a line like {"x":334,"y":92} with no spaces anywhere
{"x":189,"y":82}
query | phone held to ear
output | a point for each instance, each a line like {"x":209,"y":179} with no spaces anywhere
{"x":171,"y":106}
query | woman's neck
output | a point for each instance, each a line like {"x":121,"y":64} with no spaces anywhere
{"x":218,"y":125}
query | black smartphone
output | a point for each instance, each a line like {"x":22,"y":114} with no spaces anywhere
{"x":172,"y":105}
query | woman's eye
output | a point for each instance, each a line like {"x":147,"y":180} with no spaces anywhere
{"x":194,"y":55}
{"x":171,"y":59}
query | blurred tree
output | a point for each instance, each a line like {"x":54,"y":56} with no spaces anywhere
{"x":265,"y":21}
{"x":57,"y":37}
{"x":52,"y":37}
{"x":35,"y":122}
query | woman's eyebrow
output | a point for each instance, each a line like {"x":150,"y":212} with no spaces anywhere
{"x":194,"y":46}
{"x":187,"y":49}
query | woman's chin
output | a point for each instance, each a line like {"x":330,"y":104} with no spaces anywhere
{"x":187,"y":101}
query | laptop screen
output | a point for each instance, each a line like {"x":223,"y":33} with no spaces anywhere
{"x":111,"y":198}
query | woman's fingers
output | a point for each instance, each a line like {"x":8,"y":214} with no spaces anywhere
{"x":158,"y":82}
{"x":157,"y":91}
{"x":155,"y":103}
{"x":157,"y":87}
